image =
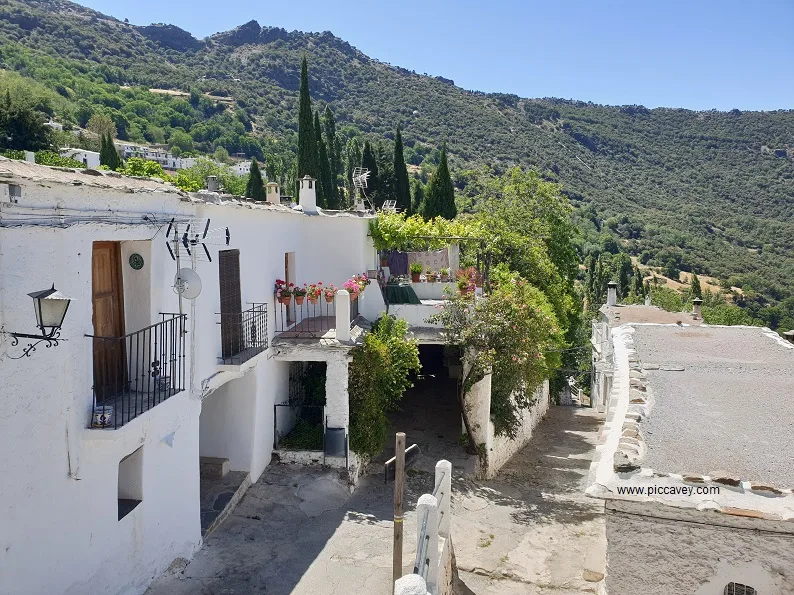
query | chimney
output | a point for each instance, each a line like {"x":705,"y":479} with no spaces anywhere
{"x":272,"y":192}
{"x":212,"y":184}
{"x":308,"y":195}
{"x":612,"y":293}
{"x":697,"y":303}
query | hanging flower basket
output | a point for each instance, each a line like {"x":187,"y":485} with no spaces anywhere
{"x":353,"y":297}
{"x":312,"y":300}
{"x":299,"y":299}
{"x":384,"y":262}
{"x":285,"y":300}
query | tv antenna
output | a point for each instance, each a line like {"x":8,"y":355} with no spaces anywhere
{"x":360,"y":177}
{"x":193,"y":240}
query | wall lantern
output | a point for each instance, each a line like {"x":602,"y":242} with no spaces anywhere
{"x":50,"y":306}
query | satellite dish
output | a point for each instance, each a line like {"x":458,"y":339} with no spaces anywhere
{"x":187,"y":283}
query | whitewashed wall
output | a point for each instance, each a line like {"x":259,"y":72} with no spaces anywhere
{"x":58,"y":496}
{"x":655,"y":556}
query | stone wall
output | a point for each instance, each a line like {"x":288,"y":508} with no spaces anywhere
{"x":658,"y":556}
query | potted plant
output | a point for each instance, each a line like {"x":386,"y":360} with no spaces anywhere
{"x":352,"y":287}
{"x":416,"y":271}
{"x":313,"y":291}
{"x":384,"y":261}
{"x":329,"y":293}
{"x":300,"y":294}
{"x":444,"y":274}
{"x":362,"y":280}
{"x":283,"y":291}
{"x":465,"y":282}
{"x":430,"y":275}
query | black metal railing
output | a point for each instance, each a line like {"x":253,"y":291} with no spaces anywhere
{"x":135,"y":372}
{"x":305,"y":320}
{"x":243,"y":334}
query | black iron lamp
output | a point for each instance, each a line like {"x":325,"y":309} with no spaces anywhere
{"x":50,"y":306}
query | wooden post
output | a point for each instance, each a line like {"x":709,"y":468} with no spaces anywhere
{"x":399,"y":484}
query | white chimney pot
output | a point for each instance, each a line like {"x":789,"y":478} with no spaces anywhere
{"x":308,"y":195}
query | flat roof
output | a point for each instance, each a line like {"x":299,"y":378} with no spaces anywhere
{"x":723,"y":400}
{"x":637,"y":313}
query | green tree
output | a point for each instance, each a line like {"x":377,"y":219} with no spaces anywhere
{"x":440,"y":199}
{"x":352,"y":161}
{"x":100,"y":124}
{"x":323,"y":166}
{"x":255,"y":188}
{"x":307,"y":143}
{"x":22,"y":128}
{"x":638,"y":289}
{"x":418,"y":197}
{"x":402,"y":188}
{"x":108,"y":155}
{"x":334,"y":151}
{"x":694,"y":286}
{"x":181,"y":139}
{"x":221,"y":155}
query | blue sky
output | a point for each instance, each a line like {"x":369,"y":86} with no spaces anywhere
{"x":698,"y":54}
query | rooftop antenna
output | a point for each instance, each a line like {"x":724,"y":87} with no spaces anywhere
{"x":360,"y":177}
{"x":193,"y":239}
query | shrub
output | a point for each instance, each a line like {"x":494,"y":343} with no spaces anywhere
{"x":53,"y":159}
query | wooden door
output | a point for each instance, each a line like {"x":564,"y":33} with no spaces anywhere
{"x":231,"y":303}
{"x":108,"y":318}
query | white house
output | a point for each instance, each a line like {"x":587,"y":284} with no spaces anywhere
{"x":242,"y":168}
{"x":186,"y":387}
{"x":695,"y":465}
{"x":88,"y":158}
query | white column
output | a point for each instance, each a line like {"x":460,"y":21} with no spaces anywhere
{"x":342,"y":304}
{"x":410,"y":584}
{"x":337,"y":401}
{"x":428,"y":504}
{"x":444,"y":480}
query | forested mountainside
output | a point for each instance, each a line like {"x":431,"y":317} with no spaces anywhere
{"x":711,"y":191}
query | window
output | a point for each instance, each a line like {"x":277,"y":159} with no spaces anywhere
{"x":739,"y":589}
{"x":130,"y":482}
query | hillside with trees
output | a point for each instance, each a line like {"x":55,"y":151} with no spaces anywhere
{"x":710,"y":192}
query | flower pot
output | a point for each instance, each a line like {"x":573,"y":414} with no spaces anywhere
{"x":415,"y":277}
{"x":103,"y":416}
{"x":431,"y":279}
{"x":285,"y":300}
{"x":353,"y":297}
{"x":299,"y":299}
{"x":384,"y":262}
{"x":329,"y":299}
{"x":312,"y":300}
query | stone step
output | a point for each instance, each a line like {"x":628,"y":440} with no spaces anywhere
{"x":213,"y":467}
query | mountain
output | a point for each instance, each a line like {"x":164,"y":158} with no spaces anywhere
{"x":711,"y":191}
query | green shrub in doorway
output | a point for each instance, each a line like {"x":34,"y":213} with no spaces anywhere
{"x":378,"y":377}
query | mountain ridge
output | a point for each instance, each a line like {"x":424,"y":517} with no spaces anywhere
{"x":710,"y":189}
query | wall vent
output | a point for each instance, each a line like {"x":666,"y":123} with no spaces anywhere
{"x":739,"y":589}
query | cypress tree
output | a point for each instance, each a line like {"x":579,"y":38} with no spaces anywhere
{"x":352,"y":160}
{"x":638,"y":288}
{"x":369,"y":162}
{"x":694,"y":286}
{"x":255,"y":188}
{"x":418,"y":199}
{"x":324,"y":167}
{"x":103,"y":151}
{"x":332,"y":145}
{"x":386,"y":178}
{"x":402,"y":189}
{"x":307,"y":144}
{"x":440,"y":200}
{"x":107,"y":153}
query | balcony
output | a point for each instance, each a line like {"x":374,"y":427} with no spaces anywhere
{"x":243,"y":335}
{"x":309,"y":320}
{"x":138,"y":371}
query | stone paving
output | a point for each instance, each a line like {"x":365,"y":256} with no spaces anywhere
{"x":298,"y":530}
{"x":531,"y":530}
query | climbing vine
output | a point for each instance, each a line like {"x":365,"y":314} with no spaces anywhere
{"x":396,"y":231}
{"x":378,"y":376}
